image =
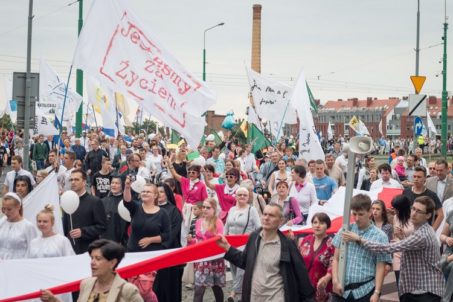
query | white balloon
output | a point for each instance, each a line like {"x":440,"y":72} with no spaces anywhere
{"x":139,"y":184}
{"x":69,"y":202}
{"x":123,"y":212}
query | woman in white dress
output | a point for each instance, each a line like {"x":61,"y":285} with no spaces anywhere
{"x":16,"y":232}
{"x":50,"y":243}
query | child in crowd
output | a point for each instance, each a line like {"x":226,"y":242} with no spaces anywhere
{"x":188,"y":275}
{"x":400,"y":169}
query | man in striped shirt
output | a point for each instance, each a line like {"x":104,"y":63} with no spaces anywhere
{"x":420,"y":278}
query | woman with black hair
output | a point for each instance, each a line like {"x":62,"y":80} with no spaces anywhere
{"x":402,"y":227}
{"x":116,"y":228}
{"x":167,"y":285}
{"x":22,"y":186}
{"x":105,"y":284}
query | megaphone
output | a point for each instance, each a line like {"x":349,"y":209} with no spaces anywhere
{"x":361,"y":144}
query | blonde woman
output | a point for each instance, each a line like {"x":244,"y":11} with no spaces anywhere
{"x":209,"y":273}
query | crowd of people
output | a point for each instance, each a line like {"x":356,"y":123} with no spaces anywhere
{"x":191,"y":195}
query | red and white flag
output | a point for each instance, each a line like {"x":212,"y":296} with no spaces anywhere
{"x":115,"y":47}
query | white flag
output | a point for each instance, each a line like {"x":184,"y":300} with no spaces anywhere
{"x":329,"y":132}
{"x":380,"y":128}
{"x":52,"y":92}
{"x":10,"y":106}
{"x":115,"y":47}
{"x":430,"y":123}
{"x":103,"y":101}
{"x":43,"y":125}
{"x":309,"y":145}
{"x":271,"y":98}
{"x":45,"y":193}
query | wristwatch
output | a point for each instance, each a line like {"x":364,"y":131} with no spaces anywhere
{"x":377,"y":293}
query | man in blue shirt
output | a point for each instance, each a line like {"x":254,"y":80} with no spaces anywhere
{"x":365,"y":270}
{"x":325,"y":185}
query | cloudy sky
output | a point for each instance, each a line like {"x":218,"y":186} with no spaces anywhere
{"x":347,"y":48}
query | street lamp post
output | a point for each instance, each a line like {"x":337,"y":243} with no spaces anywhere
{"x":204,"y":48}
{"x":444,"y":89}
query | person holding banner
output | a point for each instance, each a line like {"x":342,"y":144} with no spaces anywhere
{"x":16,"y":232}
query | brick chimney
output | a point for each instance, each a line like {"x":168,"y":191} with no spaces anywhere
{"x":256,"y":38}
{"x":432,"y":100}
{"x":369,"y":101}
{"x":355,"y":102}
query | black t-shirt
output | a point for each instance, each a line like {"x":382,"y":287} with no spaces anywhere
{"x":101,"y":184}
{"x":2,"y":154}
{"x":411,"y":195}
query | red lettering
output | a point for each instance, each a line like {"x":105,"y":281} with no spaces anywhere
{"x":120,"y":73}
{"x":163,"y":93}
{"x":143,"y":83}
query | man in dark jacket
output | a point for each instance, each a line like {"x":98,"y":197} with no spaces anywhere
{"x":274,"y":268}
{"x":89,"y":221}
{"x":93,"y":160}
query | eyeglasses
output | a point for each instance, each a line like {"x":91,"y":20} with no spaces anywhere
{"x":230,"y":176}
{"x":207,"y":208}
{"x":418,"y":211}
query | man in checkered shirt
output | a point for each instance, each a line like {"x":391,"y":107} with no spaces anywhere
{"x":420,"y":278}
{"x":364,"y":270}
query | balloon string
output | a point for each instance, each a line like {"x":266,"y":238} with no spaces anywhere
{"x":70,"y":221}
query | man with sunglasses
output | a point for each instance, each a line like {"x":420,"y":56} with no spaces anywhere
{"x":421,"y":279}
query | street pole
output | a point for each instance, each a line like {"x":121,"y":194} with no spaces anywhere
{"x":204,"y":48}
{"x":26,"y":158}
{"x":444,"y":89}
{"x":79,"y":79}
{"x":417,"y":47}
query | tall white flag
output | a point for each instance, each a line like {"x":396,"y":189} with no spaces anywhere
{"x":252,"y":117}
{"x":380,"y":128}
{"x":430,"y":123}
{"x":309,"y":145}
{"x":115,"y":47}
{"x":52,"y":92}
{"x":271,"y":99}
{"x":329,"y":132}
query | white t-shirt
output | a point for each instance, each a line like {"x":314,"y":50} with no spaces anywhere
{"x":11,"y":176}
{"x":379,"y":183}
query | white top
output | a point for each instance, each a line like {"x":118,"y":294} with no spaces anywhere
{"x":11,"y":176}
{"x":305,"y":197}
{"x":15,"y":238}
{"x":379,"y":183}
{"x":157,"y":162}
{"x":53,"y":246}
{"x":342,"y":163}
{"x":237,"y":221}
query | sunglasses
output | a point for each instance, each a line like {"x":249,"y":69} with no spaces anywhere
{"x":192,"y":172}
{"x":230,"y":176}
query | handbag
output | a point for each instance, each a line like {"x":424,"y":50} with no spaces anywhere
{"x":248,"y":218}
{"x":144,"y":283}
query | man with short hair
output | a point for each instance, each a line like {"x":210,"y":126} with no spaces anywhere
{"x":267,"y":168}
{"x":442,"y":183}
{"x":419,"y":154}
{"x":93,"y":160}
{"x":79,"y":149}
{"x":40,"y":152}
{"x":100,"y":183}
{"x":365,"y":271}
{"x":432,"y":169}
{"x":325,"y":186}
{"x":216,"y":161}
{"x":420,"y":280}
{"x":419,"y":189}
{"x":89,"y":221}
{"x":68,"y":162}
{"x":334,"y":171}
{"x":274,"y":268}
{"x":16,"y":166}
{"x":385,"y":181}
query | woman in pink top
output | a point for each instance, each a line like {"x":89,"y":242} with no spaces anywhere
{"x":209,"y":273}
{"x":193,"y":190}
{"x":226,"y":193}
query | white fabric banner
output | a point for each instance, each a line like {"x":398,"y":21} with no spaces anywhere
{"x":430,"y":123}
{"x":43,"y":125}
{"x":115,"y":47}
{"x":252,"y":117}
{"x":380,"y":128}
{"x":309,"y":145}
{"x":271,"y":98}
{"x":45,"y":193}
{"x":10,"y":105}
{"x":330,"y":131}
{"x":52,"y":91}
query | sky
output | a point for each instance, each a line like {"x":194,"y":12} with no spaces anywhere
{"x":347,"y":48}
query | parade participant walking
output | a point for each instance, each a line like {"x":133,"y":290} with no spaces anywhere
{"x":93,"y":160}
{"x":421,"y":278}
{"x":242,"y":219}
{"x":16,"y":165}
{"x":364,"y":270}
{"x":291,"y":211}
{"x":317,"y":250}
{"x":303,"y":191}
{"x":89,"y":220}
{"x":105,"y":284}
{"x":274,"y":268}
{"x":16,"y":232}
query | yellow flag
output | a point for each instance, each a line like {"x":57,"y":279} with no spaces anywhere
{"x":354,"y":123}
{"x":244,"y":127}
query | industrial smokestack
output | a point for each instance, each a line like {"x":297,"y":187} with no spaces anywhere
{"x":256,"y":38}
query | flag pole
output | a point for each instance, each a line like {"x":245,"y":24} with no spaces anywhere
{"x":62,"y":111}
{"x":281,"y":122}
